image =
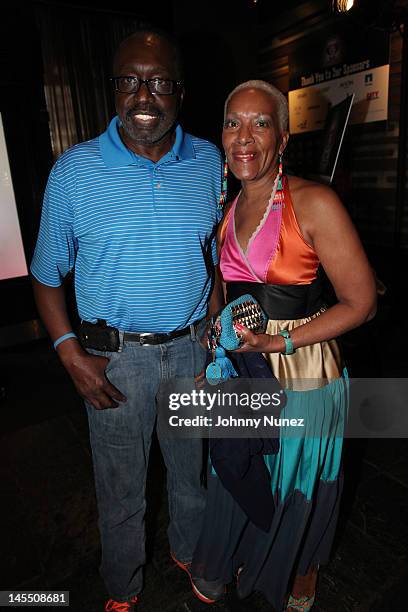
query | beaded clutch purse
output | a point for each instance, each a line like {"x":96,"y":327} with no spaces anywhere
{"x":222,"y":335}
{"x":244,"y":310}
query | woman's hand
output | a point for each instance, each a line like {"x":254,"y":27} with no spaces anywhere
{"x":258,"y":343}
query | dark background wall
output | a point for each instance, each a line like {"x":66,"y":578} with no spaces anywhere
{"x":25,"y":120}
{"x":224,"y":43}
{"x":367,"y":175}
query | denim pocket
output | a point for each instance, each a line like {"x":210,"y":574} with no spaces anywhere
{"x":112,"y":356}
{"x":92,"y":351}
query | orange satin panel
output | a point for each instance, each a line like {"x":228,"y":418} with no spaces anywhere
{"x":295,"y":262}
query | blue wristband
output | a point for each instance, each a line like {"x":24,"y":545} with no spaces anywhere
{"x":64,"y":337}
{"x":289,"y":348}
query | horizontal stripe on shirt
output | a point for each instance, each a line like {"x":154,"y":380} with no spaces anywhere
{"x":140,"y":235}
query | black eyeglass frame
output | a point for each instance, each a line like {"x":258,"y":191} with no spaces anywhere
{"x":176,"y":85}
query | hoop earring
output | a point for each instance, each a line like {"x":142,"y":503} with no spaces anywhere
{"x":223,"y":196}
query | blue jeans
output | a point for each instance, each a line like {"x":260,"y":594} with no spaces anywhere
{"x":120,"y":442}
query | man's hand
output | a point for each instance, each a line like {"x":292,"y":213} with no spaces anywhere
{"x":87,"y":371}
{"x":88,"y":375}
{"x":203,"y":339}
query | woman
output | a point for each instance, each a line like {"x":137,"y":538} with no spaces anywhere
{"x":273,"y":239}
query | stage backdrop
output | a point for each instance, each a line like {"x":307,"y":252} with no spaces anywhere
{"x":333,"y":64}
{"x":12,"y":258}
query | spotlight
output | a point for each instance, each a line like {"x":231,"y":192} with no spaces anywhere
{"x":342,"y":6}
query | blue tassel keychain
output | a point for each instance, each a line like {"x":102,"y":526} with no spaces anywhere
{"x":220,"y":369}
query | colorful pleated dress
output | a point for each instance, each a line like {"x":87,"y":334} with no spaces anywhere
{"x":280,"y":269}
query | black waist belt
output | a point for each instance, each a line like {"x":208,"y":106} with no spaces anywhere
{"x":282,"y":301}
{"x":156,"y":338}
{"x":102,"y":337}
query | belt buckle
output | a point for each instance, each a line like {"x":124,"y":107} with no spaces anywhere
{"x":143,"y":338}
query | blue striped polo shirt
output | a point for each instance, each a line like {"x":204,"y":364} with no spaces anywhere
{"x":140,"y":235}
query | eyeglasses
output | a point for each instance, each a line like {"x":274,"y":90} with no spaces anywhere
{"x":132,"y":84}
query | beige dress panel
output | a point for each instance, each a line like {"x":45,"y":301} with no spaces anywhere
{"x":310,"y":367}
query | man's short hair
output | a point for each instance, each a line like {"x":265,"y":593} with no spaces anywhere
{"x":279,"y":98}
{"x":146,"y":28}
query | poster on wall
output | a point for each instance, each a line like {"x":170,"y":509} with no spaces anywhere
{"x":308,"y":107}
{"x":332,"y":66}
{"x":12,"y":258}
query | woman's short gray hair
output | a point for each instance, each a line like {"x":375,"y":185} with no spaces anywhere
{"x":279,"y":98}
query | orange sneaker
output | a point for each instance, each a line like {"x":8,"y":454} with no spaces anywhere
{"x":208,"y":592}
{"x":121,"y":606}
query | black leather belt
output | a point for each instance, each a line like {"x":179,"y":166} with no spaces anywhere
{"x":155,"y":338}
{"x":102,"y":337}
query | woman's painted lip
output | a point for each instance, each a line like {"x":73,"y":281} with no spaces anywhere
{"x":244,"y":157}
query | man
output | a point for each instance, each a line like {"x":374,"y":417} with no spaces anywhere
{"x":134,"y":211}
